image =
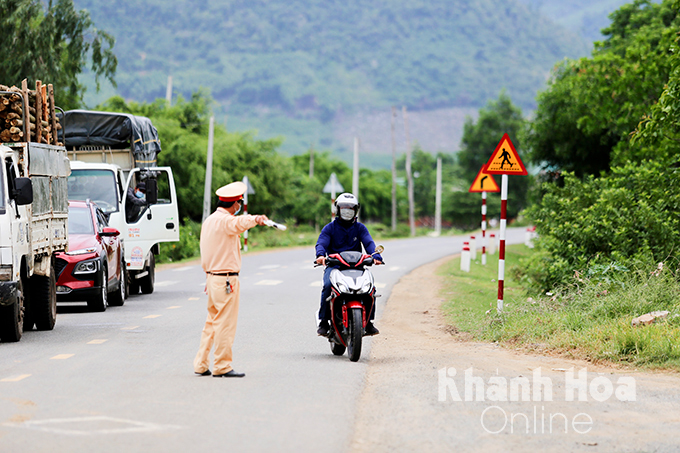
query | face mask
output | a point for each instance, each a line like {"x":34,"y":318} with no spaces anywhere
{"x":346,"y":214}
{"x":240,"y":205}
{"x":139,"y":194}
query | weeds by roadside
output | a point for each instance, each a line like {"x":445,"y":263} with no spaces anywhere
{"x":589,"y":318}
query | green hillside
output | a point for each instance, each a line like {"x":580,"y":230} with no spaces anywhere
{"x":298,"y":67}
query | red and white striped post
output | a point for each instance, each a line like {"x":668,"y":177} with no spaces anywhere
{"x":501,"y":245}
{"x":483,"y":228}
{"x":245,"y":211}
{"x":465,"y":257}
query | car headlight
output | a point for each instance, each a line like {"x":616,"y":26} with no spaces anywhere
{"x":86,"y":267}
{"x":81,"y":251}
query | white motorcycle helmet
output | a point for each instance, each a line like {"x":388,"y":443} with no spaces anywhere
{"x":347,"y":207}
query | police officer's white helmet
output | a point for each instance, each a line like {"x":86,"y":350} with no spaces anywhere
{"x":347,"y":207}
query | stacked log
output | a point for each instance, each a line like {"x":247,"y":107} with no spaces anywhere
{"x":28,"y":113}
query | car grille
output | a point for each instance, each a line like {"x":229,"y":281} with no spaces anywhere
{"x":59,"y":265}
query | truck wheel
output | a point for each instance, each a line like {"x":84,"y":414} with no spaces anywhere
{"x":117,"y":298}
{"x":100,"y":301}
{"x":146,"y":283}
{"x":44,"y":300}
{"x":12,"y":318}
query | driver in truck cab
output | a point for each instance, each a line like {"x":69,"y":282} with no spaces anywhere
{"x":343,"y":234}
{"x":135,"y":202}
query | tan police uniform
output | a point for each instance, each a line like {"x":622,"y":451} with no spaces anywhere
{"x":221,"y":260}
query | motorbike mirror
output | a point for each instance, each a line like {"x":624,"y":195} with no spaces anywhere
{"x":378,"y":250}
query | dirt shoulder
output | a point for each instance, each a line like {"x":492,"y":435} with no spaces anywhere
{"x":408,"y":403}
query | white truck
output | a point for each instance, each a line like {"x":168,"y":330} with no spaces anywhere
{"x":111,"y":153}
{"x":33,"y":227}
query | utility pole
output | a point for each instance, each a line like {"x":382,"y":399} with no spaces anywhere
{"x":355,"y":170}
{"x":394,"y":172}
{"x":409,"y":176}
{"x":438,"y":200}
{"x":168,"y":91}
{"x":208,"y":171}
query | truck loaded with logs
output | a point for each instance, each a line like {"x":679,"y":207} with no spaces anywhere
{"x":33,"y":209}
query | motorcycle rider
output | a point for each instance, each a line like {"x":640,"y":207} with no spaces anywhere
{"x":343,"y":234}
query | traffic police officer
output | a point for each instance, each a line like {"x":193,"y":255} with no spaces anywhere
{"x":221,"y":261}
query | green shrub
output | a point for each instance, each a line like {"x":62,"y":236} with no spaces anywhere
{"x":187,"y":247}
{"x":629,"y":217}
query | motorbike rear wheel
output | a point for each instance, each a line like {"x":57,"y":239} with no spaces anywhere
{"x":356,"y":329}
{"x":337,"y":349}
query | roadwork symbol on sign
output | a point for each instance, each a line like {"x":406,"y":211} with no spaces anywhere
{"x":484,"y":182}
{"x":505,"y":160}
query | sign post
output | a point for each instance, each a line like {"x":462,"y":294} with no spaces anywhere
{"x":332,"y":187}
{"x":245,"y":209}
{"x":504,"y":161}
{"x":484,"y":183}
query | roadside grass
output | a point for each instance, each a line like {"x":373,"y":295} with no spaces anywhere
{"x":589,"y":319}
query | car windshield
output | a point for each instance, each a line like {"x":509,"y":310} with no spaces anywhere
{"x":79,"y":221}
{"x":96,"y":185}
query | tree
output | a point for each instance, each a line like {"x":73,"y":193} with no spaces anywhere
{"x":660,"y":129}
{"x":53,"y":45}
{"x":584,"y":118}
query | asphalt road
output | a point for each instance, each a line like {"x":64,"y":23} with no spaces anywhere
{"x":122,"y":380}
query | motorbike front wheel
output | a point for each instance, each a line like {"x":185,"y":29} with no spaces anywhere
{"x":356,"y":328}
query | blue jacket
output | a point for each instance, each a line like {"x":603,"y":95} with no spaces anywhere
{"x":339,"y":236}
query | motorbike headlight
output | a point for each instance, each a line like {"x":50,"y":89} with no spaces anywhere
{"x":366,"y":287}
{"x":342,"y":287}
{"x":86,"y":267}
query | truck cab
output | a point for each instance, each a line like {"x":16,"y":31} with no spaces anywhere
{"x":156,"y":221}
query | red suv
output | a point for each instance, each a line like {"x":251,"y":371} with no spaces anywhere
{"x":93,"y":269}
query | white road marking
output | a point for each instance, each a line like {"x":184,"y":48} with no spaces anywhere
{"x":96,"y":342}
{"x":380,"y":285}
{"x":165,"y":283}
{"x":129,"y":328}
{"x":394,"y":268}
{"x":202,"y":284}
{"x":185,"y":268}
{"x":269,"y":282}
{"x":173,"y":307}
{"x":62,"y":356}
{"x":317,"y":283}
{"x":78,"y":426}
{"x":15,"y":378}
{"x":152,"y":316}
{"x":193,"y":298}
{"x":270,"y":266}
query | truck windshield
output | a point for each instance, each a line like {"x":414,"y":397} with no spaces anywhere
{"x":96,"y":185}
{"x":79,"y":221}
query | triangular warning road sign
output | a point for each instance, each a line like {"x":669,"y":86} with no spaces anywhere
{"x":505,"y":160}
{"x":484,"y":182}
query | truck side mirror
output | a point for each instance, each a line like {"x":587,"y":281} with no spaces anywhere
{"x":151,"y":191}
{"x":23,"y":191}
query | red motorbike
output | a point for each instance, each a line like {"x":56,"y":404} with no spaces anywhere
{"x":352,"y":300}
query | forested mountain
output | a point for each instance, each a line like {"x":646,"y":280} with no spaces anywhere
{"x":321,"y":72}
